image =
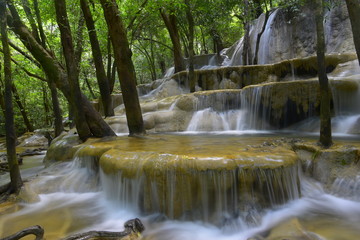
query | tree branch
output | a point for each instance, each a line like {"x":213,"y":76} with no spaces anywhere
{"x":132,"y":21}
{"x":34,"y":230}
{"x":133,"y":226}
{"x":155,"y":41}
{"x":24,"y":54}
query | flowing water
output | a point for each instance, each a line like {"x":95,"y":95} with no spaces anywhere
{"x":72,"y":197}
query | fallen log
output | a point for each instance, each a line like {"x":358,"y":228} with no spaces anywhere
{"x":132,"y":227}
{"x":34,"y":230}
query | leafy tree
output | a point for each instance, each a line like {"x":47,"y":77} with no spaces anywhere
{"x":170,"y":21}
{"x":16,"y":181}
{"x":125,"y":67}
{"x":54,"y":71}
{"x":97,"y":56}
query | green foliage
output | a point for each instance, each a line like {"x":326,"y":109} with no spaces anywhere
{"x":149,"y":39}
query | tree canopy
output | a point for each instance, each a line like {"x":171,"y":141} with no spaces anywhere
{"x":158,"y":34}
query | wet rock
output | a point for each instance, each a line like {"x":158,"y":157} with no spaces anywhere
{"x":292,"y":35}
{"x":227,"y":84}
{"x":341,"y":161}
{"x":291,"y":230}
{"x":221,"y":173}
{"x":40,"y":138}
{"x":62,"y":148}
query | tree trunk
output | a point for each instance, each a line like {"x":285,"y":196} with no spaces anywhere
{"x":218,"y":43}
{"x":125,"y":67}
{"x":97,"y":56}
{"x":57,"y":74}
{"x":59,"y":127}
{"x":109,"y":64}
{"x":353,"y":7}
{"x":246,"y":45}
{"x":39,"y":22}
{"x":190,"y":20}
{"x":257,"y":8}
{"x":24,"y":115}
{"x":89,"y":85}
{"x":79,"y":42}
{"x":72,"y":70}
{"x":113,"y":76}
{"x":325,"y":113}
{"x":46,"y":105}
{"x":171,"y":26}
{"x":15,"y":177}
{"x":26,"y":6}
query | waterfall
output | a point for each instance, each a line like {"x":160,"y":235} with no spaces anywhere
{"x":346,"y":95}
{"x":247,"y":110}
{"x":266,"y":38}
{"x":169,"y":72}
{"x":210,"y":196}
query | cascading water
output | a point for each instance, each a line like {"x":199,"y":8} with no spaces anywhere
{"x":220,"y":186}
{"x":229,"y":204}
{"x":246,"y":113}
{"x":346,"y":93}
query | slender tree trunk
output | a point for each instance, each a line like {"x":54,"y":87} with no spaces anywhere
{"x":113,"y":76}
{"x":353,"y":7}
{"x":24,"y":115}
{"x":149,"y":60}
{"x":39,"y":22}
{"x":97,"y":56}
{"x":29,"y":15}
{"x":109,"y":69}
{"x":57,"y":112}
{"x":46,"y":105}
{"x":191,"y":73}
{"x":59,"y":127}
{"x":246,"y":45}
{"x":125,"y":67}
{"x":171,"y":25}
{"x":2,"y":91}
{"x":79,"y":42}
{"x":325,"y":113}
{"x":218,"y":43}
{"x":16,"y":181}
{"x":89,"y":85}
{"x":257,"y":8}
{"x":72,"y":71}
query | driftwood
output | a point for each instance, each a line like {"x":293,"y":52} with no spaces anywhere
{"x":133,"y":226}
{"x":34,"y":230}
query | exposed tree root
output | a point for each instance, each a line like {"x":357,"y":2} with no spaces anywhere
{"x":34,"y":230}
{"x":132,"y":227}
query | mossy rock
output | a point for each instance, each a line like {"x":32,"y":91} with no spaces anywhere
{"x":62,"y":148}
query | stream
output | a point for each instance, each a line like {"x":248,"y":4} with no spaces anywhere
{"x":69,"y":197}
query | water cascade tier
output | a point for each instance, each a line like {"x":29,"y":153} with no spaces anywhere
{"x":207,"y":178}
{"x":291,"y":103}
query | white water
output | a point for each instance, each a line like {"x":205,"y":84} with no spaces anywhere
{"x":208,"y":120}
{"x":74,"y":207}
{"x":250,"y":111}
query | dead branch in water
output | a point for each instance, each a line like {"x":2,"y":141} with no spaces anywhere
{"x":34,"y":230}
{"x":133,"y":226}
